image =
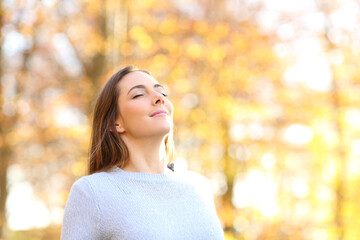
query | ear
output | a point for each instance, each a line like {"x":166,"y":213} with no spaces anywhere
{"x":119,"y":128}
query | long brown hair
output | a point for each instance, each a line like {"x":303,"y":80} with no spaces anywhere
{"x":107,"y":149}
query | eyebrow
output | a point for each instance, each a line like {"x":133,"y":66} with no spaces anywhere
{"x":143,"y":86}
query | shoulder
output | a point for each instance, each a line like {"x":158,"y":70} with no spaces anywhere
{"x":195,"y":175}
{"x":201,"y":185}
{"x":194,"y":178}
{"x":90,"y":182}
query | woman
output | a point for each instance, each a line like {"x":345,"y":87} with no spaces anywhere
{"x":130,"y":192}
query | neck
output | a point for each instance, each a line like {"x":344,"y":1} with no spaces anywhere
{"x":146,"y":155}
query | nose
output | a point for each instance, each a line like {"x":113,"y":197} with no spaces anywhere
{"x":159,"y":98}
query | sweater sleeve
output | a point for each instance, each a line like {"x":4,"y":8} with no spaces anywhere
{"x":82,"y":215}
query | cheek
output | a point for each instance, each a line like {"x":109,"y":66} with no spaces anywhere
{"x":170,"y":106}
{"x":133,"y":109}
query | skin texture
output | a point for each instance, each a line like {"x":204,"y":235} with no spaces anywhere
{"x":143,"y":135}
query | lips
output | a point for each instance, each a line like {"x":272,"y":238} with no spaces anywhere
{"x":158,"y":112}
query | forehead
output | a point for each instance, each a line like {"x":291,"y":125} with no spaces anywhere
{"x":136,"y":78}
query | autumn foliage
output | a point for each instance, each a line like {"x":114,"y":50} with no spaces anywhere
{"x":270,"y":114}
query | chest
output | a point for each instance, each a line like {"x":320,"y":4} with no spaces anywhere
{"x":159,"y":213}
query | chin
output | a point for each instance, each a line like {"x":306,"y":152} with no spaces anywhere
{"x":165,"y":130}
{"x":163,"y":125}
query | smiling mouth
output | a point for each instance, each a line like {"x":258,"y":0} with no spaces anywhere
{"x":160,"y":115}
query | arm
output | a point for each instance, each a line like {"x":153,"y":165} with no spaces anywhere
{"x":82,"y":215}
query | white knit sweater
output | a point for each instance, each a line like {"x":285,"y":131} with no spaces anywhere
{"x":135,"y":206}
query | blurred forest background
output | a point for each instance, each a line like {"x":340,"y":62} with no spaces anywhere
{"x":266,"y":96}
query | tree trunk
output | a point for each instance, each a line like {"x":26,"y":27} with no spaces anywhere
{"x":342,"y":159}
{"x":114,"y":22}
{"x":7,"y":123}
{"x":230,"y":170}
{"x":4,"y":163}
{"x":4,"y":149}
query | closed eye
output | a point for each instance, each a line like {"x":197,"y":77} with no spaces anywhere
{"x":137,"y":96}
{"x":165,"y":95}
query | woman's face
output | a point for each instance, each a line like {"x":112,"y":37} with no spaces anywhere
{"x":140,"y":97}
